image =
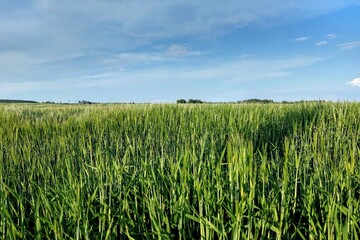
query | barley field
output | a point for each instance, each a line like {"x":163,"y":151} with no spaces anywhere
{"x":202,"y":171}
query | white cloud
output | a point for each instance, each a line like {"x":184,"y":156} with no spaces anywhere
{"x":90,"y":40}
{"x":355,"y":82}
{"x":349,"y":45}
{"x":321,"y":43}
{"x":18,"y":58}
{"x":128,"y":58}
{"x":180,"y":50}
{"x":331,"y":36}
{"x":15,"y":87}
{"x":100,"y":76}
{"x":104,"y":75}
{"x":87,"y":82}
{"x":53,"y":27}
{"x":19,"y":64}
{"x":230,"y":72}
{"x":301,"y":39}
{"x":169,"y":53}
{"x":245,"y":55}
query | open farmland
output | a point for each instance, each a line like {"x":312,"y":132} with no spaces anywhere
{"x":211,"y":171}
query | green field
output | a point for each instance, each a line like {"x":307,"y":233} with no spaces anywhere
{"x":209,"y":171}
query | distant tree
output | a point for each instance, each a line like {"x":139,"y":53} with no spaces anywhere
{"x":194,"y":101}
{"x":16,"y":101}
{"x":181,"y":101}
{"x":85,"y":102}
{"x":255,"y":100}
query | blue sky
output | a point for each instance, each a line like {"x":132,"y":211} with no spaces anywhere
{"x":160,"y":51}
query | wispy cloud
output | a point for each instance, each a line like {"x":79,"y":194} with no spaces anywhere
{"x":301,"y":39}
{"x":179,"y":50}
{"x":26,"y":86}
{"x":331,"y":36}
{"x":132,"y":58}
{"x":99,"y":76}
{"x":67,"y":44}
{"x":355,"y":82}
{"x":246,"y":55}
{"x":53,"y":27}
{"x":349,"y":45}
{"x":162,"y":54}
{"x":230,"y":72}
{"x":321,"y":43}
{"x":87,"y":82}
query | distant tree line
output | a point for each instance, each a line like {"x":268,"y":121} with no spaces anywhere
{"x":179,"y":101}
{"x":85,"y":102}
{"x":189,"y":101}
{"x":255,"y":100}
{"x":252,"y":100}
{"x":79,"y":102}
{"x":16,"y":101}
{"x":244,"y":101}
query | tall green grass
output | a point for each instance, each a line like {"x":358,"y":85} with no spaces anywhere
{"x":180,"y":172}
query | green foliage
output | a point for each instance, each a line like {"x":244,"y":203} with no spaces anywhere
{"x":251,"y":171}
{"x":85,"y":102}
{"x":15,"y":101}
{"x":189,"y":101}
{"x":195,"y":101}
{"x":181,"y":101}
{"x":255,"y":100}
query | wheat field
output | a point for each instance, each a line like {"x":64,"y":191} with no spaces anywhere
{"x":171,"y":171}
